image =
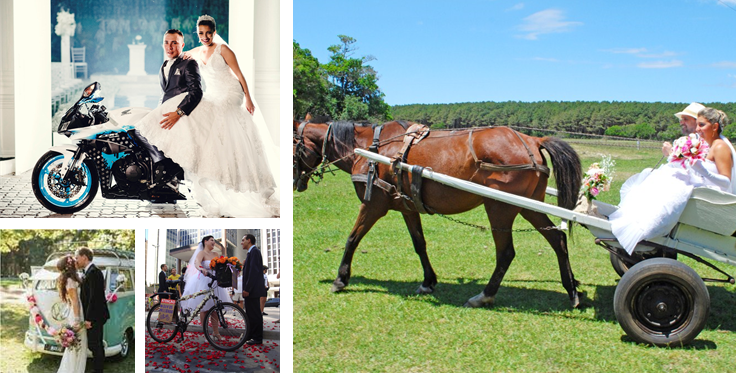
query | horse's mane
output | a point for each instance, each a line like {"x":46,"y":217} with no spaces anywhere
{"x":343,"y":136}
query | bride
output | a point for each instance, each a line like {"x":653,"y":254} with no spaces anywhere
{"x":652,"y":202}
{"x":196,"y":280}
{"x":223,"y":145}
{"x":73,"y":360}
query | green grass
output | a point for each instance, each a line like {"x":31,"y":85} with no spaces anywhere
{"x":10,"y":282}
{"x":379,"y":324}
{"x":16,"y":358}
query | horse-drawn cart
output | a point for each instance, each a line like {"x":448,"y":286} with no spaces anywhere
{"x":659,"y":301}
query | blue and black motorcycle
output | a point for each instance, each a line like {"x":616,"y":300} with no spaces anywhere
{"x":104,"y":155}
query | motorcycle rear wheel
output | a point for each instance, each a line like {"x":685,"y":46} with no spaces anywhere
{"x":64,"y":197}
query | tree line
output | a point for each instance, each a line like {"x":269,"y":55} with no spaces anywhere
{"x":642,"y":120}
{"x":21,"y":249}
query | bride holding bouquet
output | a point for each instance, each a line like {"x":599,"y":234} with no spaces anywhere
{"x":652,"y":202}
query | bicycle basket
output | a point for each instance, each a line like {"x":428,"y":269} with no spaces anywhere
{"x":224,"y":276}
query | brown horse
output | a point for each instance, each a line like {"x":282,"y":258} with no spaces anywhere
{"x":459,"y":153}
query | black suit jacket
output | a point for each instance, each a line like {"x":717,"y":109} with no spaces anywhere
{"x":93,"y":296}
{"x":162,"y":282}
{"x":253,"y":274}
{"x":183,"y":77}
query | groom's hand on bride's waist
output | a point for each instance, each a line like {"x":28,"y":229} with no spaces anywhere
{"x":88,"y":324}
{"x":169,"y":120}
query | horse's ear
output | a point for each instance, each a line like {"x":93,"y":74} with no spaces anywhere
{"x":308,"y":117}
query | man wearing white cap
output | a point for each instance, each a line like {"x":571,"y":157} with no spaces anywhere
{"x":688,"y":122}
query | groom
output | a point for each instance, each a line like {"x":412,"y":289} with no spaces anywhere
{"x":253,"y":289}
{"x":177,"y":76}
{"x":94,"y":305}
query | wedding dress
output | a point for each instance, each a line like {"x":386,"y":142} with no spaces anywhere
{"x":652,"y":201}
{"x":75,"y":360}
{"x":196,"y":281}
{"x":227,"y":153}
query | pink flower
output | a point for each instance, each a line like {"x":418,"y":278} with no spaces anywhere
{"x":594,"y":191}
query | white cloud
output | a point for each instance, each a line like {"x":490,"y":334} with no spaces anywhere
{"x":725,"y":64}
{"x":545,"y":59}
{"x":545,"y":22}
{"x":659,"y":64}
{"x":626,"y":50}
{"x":518,"y":6}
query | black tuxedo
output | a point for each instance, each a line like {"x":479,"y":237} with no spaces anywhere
{"x":95,"y":311}
{"x":253,"y":284}
{"x":162,"y":288}
{"x":183,"y":77}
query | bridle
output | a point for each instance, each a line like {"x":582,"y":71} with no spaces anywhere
{"x":302,"y":152}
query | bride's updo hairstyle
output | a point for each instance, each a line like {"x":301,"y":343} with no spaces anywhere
{"x":206,"y":20}
{"x":715,"y":116}
{"x":205,"y":239}
{"x":67,"y":269}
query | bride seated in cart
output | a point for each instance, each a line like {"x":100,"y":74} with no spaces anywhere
{"x":652,"y":201}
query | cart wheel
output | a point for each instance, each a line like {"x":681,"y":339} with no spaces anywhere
{"x":622,"y":267}
{"x":661,"y":302}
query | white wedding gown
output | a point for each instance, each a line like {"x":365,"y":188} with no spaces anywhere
{"x":653,"y":200}
{"x":74,"y":361}
{"x":197,"y":282}
{"x":227,"y":154}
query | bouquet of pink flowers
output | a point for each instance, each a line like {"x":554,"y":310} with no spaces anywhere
{"x":598,"y":178}
{"x":688,"y":149}
{"x":66,"y":336}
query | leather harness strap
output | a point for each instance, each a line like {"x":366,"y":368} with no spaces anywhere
{"x":372,"y":166}
{"x":514,"y":167}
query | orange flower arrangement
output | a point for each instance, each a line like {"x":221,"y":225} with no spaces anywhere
{"x":225,"y":260}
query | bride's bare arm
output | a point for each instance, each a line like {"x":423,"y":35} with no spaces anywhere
{"x":232,"y":61}
{"x":198,"y":262}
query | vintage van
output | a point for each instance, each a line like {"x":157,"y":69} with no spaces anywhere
{"x":118,"y":267}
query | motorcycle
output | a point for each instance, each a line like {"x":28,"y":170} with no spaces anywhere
{"x":66,"y":179}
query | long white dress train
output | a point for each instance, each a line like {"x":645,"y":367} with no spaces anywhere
{"x":74,"y":361}
{"x":226,"y":153}
{"x":652,"y":201}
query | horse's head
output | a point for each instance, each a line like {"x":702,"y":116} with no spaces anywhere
{"x":307,"y":155}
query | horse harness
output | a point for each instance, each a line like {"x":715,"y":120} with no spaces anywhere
{"x":414,"y":134}
{"x":301,"y":150}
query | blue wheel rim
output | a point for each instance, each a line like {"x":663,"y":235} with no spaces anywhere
{"x":48,"y":171}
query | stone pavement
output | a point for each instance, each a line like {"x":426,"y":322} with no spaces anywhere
{"x":194,"y":354}
{"x":17,"y":201}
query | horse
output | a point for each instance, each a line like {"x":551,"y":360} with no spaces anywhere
{"x":496,"y":157}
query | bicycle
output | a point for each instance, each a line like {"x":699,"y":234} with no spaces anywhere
{"x":231,"y":321}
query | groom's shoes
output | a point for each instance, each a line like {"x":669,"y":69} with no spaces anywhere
{"x":251,"y":342}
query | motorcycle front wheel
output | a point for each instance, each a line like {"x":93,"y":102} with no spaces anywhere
{"x":67,"y":196}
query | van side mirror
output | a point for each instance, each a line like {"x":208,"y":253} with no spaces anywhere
{"x":24,"y":278}
{"x":121,"y":279}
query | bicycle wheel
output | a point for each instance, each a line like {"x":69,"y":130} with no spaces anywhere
{"x":233,"y":333}
{"x":161,"y":332}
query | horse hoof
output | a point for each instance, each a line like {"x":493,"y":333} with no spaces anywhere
{"x":575,"y":301}
{"x":337,"y":287}
{"x":480,"y":300}
{"x":425,"y":290}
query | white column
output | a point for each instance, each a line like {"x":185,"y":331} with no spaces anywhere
{"x":33,"y":90}
{"x":242,"y":15}
{"x":7,"y":91}
{"x":266,"y":52}
{"x":137,"y":59}
{"x":66,"y":59}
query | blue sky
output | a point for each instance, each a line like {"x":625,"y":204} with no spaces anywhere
{"x":500,"y":50}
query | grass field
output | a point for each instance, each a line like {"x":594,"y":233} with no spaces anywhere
{"x":379,"y":324}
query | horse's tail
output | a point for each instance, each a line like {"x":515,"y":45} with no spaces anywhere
{"x":567,"y":170}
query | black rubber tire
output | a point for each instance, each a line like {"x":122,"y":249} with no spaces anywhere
{"x":622,"y":267}
{"x":151,"y":333}
{"x":213,"y":343}
{"x":126,"y":344}
{"x":92,"y":180}
{"x":662,"y":302}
